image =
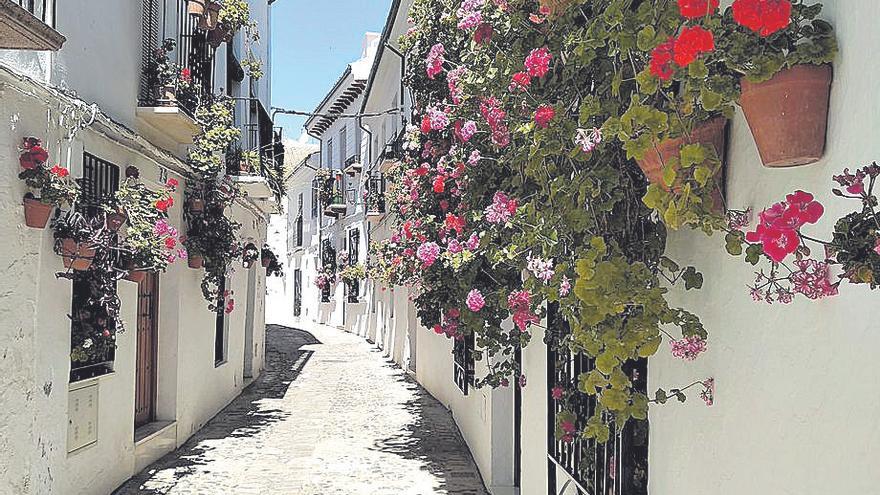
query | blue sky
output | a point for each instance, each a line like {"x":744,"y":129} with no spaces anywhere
{"x":312,"y":41}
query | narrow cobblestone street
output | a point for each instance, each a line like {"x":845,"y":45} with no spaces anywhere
{"x":330,"y":415}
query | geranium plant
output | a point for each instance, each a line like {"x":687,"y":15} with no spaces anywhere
{"x":49,"y":185}
{"x":149,"y":242}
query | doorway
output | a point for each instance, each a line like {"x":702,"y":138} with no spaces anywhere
{"x":249,"y":325}
{"x":147,"y":336}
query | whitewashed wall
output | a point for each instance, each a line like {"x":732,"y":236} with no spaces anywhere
{"x":796,"y":409}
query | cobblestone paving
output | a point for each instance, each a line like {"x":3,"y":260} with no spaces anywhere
{"x":328,"y":416}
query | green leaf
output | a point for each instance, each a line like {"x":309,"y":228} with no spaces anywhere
{"x":702,"y":174}
{"x":692,"y":278}
{"x":660,"y":396}
{"x":692,"y":154}
{"x":614,"y":399}
{"x":645,"y":38}
{"x":697,"y":70}
{"x":650,"y":347}
{"x":606,"y":362}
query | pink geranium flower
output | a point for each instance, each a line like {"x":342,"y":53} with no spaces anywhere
{"x":538,"y":62}
{"x":475,"y":300}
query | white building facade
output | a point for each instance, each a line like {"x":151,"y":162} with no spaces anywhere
{"x":73,"y":76}
{"x":793,"y":411}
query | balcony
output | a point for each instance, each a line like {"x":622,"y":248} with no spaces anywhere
{"x":353,"y":165}
{"x":391,"y":153}
{"x":27,"y":25}
{"x":247,"y":170}
{"x":332,"y":195}
{"x":177,"y":73}
{"x":375,"y":198}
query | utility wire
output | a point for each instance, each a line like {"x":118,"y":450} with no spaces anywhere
{"x":276,"y":110}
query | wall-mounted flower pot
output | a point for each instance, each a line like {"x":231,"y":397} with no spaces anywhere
{"x":195,"y":261}
{"x":247,"y":264}
{"x":211,"y":17}
{"x":788,"y":114}
{"x":265,"y":261}
{"x":196,"y":7}
{"x":36,"y":213}
{"x":77,"y":255}
{"x":136,"y":276}
{"x":244,"y":168}
{"x":710,"y":133}
{"x":115,"y":220}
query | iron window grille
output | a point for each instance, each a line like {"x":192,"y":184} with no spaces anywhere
{"x":316,"y":188}
{"x":299,"y":230}
{"x":328,"y":266}
{"x":618,"y":467}
{"x":297,"y":292}
{"x":463,"y":362}
{"x":220,"y":326}
{"x":353,"y":287}
{"x":193,"y":54}
{"x":376,"y":193}
{"x":99,"y":184}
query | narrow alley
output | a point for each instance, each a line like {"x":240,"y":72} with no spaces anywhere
{"x":329,"y":416}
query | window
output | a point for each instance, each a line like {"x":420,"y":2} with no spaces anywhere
{"x":328,"y":266}
{"x":588,"y":462}
{"x":463,"y":362}
{"x":354,"y":287}
{"x":93,"y":356}
{"x":299,"y":221}
{"x":343,"y":144}
{"x":316,"y":185}
{"x":221,"y":329}
{"x":297,"y":292}
{"x":328,"y":160}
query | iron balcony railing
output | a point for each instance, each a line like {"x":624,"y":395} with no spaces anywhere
{"x":43,"y":10}
{"x":192,"y":55}
{"x":375,"y":197}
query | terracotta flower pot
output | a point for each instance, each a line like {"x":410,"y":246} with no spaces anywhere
{"x":709,"y":133}
{"x":195,"y":261}
{"x":265,"y":262}
{"x":217,"y":36}
{"x":788,"y":114}
{"x":36,"y":213}
{"x":247,"y":264}
{"x":136,"y":276}
{"x":244,"y":167}
{"x":115,"y":221}
{"x":77,"y":255}
{"x":212,"y":15}
{"x":196,"y":7}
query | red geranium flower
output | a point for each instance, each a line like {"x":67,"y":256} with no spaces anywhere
{"x":163,"y":204}
{"x":691,"y":43}
{"x":777,"y":243}
{"x":661,"y":60}
{"x":439,"y":184}
{"x":694,"y":9}
{"x":172,"y":183}
{"x":538,"y":62}
{"x":520,"y":82}
{"x":454,"y":222}
{"x":60,"y":171}
{"x":764,"y":17}
{"x":170,"y":243}
{"x":426,"y":125}
{"x":544,"y":115}
{"x":804,"y":208}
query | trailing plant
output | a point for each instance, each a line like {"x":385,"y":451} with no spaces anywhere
{"x":164,"y":74}
{"x":52,"y":186}
{"x":790,"y":267}
{"x":217,"y":133}
{"x":270,"y":261}
{"x":95,"y":318}
{"x":214,"y":236}
{"x":249,"y":254}
{"x":235,"y":15}
{"x":520,"y":188}
{"x":353,"y":273}
{"x":252,"y":66}
{"x":150,"y":242}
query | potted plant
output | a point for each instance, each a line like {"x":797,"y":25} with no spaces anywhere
{"x":77,"y":239}
{"x":196,"y":7}
{"x":150,"y":243}
{"x":53,"y":185}
{"x":267,"y":257}
{"x":784,"y":57}
{"x":195,"y":259}
{"x":211,"y":16}
{"x":249,"y":255}
{"x":353,"y":273}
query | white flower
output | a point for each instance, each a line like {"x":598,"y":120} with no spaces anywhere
{"x":87,"y":343}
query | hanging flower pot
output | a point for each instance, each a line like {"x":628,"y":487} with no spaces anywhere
{"x":136,"y":276}
{"x":211,"y":17}
{"x":196,"y":7}
{"x":710,"y":133}
{"x":788,"y":114}
{"x":36,"y":213}
{"x":265,"y":261}
{"x":115,"y":220}
{"x":195,"y":261}
{"x":77,"y":255}
{"x":219,"y":35}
